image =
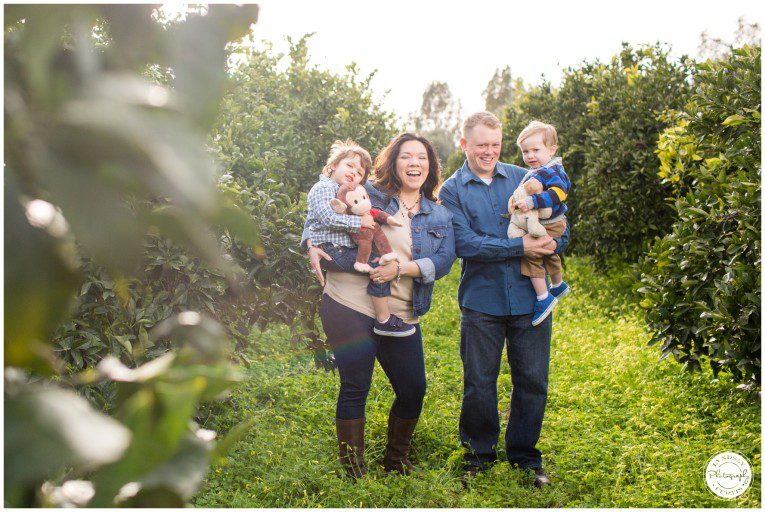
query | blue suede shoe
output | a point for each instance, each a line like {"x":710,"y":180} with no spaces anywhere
{"x":542,"y":308}
{"x":560,"y":291}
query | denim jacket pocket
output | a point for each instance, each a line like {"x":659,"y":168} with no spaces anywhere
{"x":436,"y":234}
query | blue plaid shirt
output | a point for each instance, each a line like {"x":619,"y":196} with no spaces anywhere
{"x":322,"y":223}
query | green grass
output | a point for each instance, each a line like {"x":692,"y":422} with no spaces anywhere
{"x":622,"y":429}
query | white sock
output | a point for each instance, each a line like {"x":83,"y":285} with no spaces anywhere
{"x":542,"y":297}
{"x":556,"y":285}
{"x":385,"y":320}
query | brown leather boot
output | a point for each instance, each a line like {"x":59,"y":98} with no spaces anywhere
{"x":350,"y":439}
{"x":400,"y":433}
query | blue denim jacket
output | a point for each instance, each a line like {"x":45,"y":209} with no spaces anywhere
{"x":432,"y":243}
{"x":491,"y":280}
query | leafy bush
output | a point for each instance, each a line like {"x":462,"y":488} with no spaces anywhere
{"x":608,"y":117}
{"x":275,"y":127}
{"x":701,"y":282}
{"x":98,"y":159}
{"x":271,"y":135}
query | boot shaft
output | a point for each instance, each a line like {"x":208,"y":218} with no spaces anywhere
{"x":350,"y":441}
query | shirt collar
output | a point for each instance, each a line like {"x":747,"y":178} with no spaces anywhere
{"x":469,"y":175}
{"x":326,"y":179}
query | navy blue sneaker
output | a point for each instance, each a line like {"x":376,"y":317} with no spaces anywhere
{"x":561,"y":290}
{"x":542,"y":308}
{"x":394,"y":327}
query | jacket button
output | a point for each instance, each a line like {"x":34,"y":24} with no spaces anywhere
{"x":417,"y":250}
{"x":416,"y":230}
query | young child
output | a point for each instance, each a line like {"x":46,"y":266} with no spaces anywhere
{"x":538,"y":143}
{"x":348,"y":163}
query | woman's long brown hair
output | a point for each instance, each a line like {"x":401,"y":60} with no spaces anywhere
{"x":385,"y":175}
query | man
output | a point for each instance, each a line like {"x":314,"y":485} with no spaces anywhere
{"x":497,"y":304}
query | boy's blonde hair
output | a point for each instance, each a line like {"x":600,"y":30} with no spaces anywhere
{"x":549,"y":134}
{"x":343,"y":149}
{"x":485,"y":118}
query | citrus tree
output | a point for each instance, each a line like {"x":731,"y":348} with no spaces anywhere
{"x":98,"y":161}
{"x":700,"y":283}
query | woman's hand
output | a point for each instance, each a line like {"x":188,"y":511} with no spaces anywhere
{"x":384,"y":273}
{"x":315,"y":254}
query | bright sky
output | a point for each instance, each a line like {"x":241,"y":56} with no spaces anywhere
{"x":414,"y":42}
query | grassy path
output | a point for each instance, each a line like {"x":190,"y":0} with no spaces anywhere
{"x":621,"y":429}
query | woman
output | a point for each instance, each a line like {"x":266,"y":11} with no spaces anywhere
{"x":406,"y":176}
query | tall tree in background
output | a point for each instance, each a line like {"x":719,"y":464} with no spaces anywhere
{"x":501,"y":91}
{"x":439,"y":118}
{"x":715,"y":48}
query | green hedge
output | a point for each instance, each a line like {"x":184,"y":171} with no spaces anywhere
{"x":701,"y":282}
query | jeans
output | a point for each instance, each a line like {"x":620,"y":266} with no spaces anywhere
{"x":355,"y":347}
{"x":482,"y":338}
{"x":343,"y":259}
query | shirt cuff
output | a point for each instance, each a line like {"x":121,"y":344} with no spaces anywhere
{"x":530,"y":202}
{"x":427,"y":269}
{"x":354,"y":223}
{"x":515,"y":248}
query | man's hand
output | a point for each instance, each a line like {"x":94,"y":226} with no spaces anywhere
{"x":367,"y":221}
{"x":538,"y":247}
{"x":315,"y":254}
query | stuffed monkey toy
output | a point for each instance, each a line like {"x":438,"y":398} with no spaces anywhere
{"x":520,"y":222}
{"x":352,"y":199}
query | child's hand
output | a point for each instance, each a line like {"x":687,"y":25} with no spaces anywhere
{"x":393,"y":221}
{"x":367,"y":221}
{"x":522,"y":206}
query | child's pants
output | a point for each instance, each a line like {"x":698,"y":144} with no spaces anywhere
{"x":343,"y":259}
{"x":535,"y":267}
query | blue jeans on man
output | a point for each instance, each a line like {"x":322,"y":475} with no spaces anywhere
{"x":482,"y":339}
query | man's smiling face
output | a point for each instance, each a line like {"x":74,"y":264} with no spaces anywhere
{"x":482,"y":146}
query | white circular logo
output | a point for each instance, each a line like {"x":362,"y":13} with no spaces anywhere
{"x":728,"y":475}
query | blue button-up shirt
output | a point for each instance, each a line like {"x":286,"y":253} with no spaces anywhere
{"x":491,"y":280}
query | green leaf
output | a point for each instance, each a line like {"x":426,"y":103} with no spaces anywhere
{"x":47,"y":429}
{"x":734,"y":120}
{"x":40,"y":284}
{"x":182,"y":474}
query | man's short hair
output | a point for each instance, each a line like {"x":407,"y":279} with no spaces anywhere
{"x":485,"y":118}
{"x":549,"y":134}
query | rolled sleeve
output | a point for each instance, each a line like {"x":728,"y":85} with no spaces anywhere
{"x":427,"y":270}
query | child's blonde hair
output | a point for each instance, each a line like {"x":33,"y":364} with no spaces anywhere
{"x":343,"y":149}
{"x":549,"y":134}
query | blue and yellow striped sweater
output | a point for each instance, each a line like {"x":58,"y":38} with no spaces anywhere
{"x":556,"y":188}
